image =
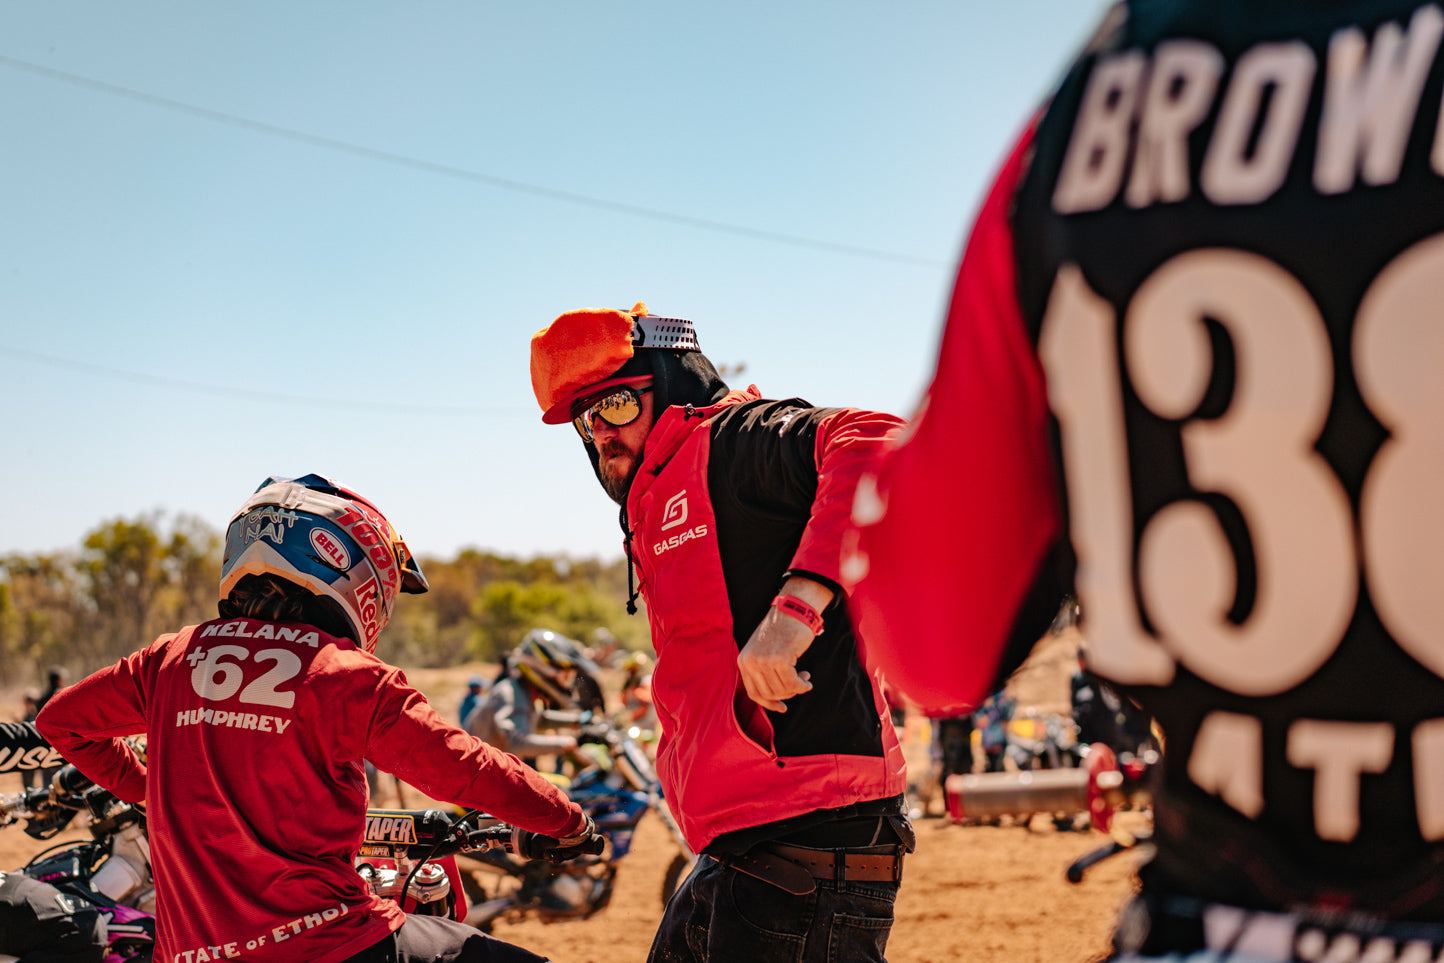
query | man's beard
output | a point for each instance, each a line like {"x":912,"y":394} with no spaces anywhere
{"x":616,"y":486}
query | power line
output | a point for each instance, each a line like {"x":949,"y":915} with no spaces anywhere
{"x":457,"y":173}
{"x":249,"y":394}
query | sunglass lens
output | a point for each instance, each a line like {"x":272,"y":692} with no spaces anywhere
{"x":618,"y":409}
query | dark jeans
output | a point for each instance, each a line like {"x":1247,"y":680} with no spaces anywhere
{"x":722,"y":915}
{"x":432,"y":939}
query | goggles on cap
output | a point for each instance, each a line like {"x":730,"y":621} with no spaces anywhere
{"x":651,"y":331}
{"x":618,"y":408}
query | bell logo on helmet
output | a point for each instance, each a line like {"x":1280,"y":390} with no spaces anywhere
{"x":675,"y":511}
{"x":332,"y":551}
{"x":267,"y":522}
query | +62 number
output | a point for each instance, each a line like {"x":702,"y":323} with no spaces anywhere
{"x":217,"y":674}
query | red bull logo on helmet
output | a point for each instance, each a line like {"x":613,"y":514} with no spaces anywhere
{"x":376,"y":545}
{"x":368,"y":608}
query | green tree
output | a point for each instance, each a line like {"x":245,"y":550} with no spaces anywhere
{"x":123,"y":566}
{"x":507,"y":610}
{"x":133,"y":579}
{"x":44,"y":614}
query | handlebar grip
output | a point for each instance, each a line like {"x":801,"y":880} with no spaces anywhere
{"x":70,"y":781}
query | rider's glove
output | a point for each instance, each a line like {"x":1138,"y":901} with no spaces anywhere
{"x":536,"y":846}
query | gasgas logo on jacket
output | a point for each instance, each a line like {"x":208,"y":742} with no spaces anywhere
{"x":674,"y":515}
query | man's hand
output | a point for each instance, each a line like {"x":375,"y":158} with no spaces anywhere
{"x":768,"y":662}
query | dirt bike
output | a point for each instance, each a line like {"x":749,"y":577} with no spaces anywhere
{"x":407,"y":856}
{"x":1053,"y":743}
{"x":617,"y":792}
{"x":1102,"y":788}
{"x":105,"y":879}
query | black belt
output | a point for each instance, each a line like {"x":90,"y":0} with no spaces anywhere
{"x":796,"y":869}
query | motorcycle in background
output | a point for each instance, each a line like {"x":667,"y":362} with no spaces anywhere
{"x":617,"y":792}
{"x":1104,"y":786}
{"x":1044,"y":741}
{"x":105,"y":883}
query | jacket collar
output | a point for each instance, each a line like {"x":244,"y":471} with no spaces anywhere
{"x":678,"y":422}
{"x":665,"y":439}
{"x":672,"y":429}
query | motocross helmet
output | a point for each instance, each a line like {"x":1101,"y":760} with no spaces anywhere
{"x":542,"y":657}
{"x":330,"y":541}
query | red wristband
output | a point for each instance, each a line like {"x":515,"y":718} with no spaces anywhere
{"x":800,"y":610}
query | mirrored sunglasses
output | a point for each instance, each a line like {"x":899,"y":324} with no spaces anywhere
{"x":617,"y":408}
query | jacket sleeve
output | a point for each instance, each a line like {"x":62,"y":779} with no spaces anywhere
{"x":798,"y":461}
{"x":847,"y":442}
{"x":86,"y":721}
{"x":408,"y":738}
{"x":956,"y":521}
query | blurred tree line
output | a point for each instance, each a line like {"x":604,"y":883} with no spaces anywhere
{"x":130,"y":581}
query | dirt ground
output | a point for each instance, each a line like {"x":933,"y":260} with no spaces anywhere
{"x":970,"y":894}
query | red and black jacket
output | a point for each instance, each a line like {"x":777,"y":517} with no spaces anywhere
{"x":728,"y":501}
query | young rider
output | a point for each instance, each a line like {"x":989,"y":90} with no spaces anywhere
{"x":257,"y":724}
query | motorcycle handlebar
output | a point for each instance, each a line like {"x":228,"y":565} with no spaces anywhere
{"x":433,"y":834}
{"x":24,"y":802}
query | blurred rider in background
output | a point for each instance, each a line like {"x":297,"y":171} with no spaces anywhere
{"x":532,"y":700}
{"x":1191,"y":371}
{"x":475,"y":690}
{"x":257,"y":724}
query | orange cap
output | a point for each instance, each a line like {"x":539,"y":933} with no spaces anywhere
{"x":575,"y":352}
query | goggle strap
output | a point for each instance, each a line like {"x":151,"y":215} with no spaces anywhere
{"x":650,"y":331}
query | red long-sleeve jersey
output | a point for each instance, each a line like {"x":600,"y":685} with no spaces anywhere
{"x":254,"y":784}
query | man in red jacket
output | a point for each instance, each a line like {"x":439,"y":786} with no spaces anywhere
{"x":1191,"y":375}
{"x":257,"y":724}
{"x":777,"y":752}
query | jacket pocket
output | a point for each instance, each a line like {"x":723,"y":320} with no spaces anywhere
{"x":752,"y":720}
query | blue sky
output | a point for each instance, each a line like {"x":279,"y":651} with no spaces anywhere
{"x":274,"y":238}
